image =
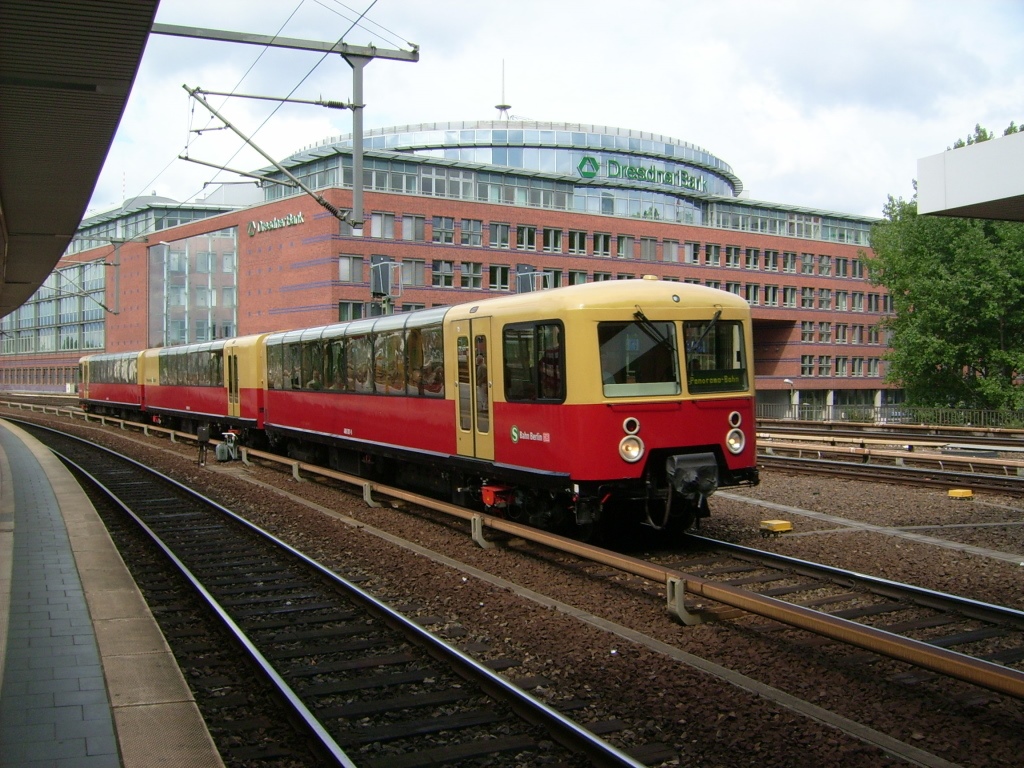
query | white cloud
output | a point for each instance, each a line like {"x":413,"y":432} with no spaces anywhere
{"x":825,"y":105}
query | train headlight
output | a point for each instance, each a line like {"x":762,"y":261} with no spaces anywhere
{"x":735,"y":441}
{"x":631,"y":448}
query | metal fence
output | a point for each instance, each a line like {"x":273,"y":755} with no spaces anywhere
{"x":892,"y":414}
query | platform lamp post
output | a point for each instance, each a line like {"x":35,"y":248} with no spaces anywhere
{"x":792,"y":397}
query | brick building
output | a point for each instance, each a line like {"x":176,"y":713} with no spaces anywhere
{"x":457,"y":212}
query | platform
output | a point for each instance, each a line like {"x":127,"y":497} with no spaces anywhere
{"x":87,"y":679}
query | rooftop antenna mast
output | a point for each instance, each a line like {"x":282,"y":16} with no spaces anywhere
{"x":503,"y":108}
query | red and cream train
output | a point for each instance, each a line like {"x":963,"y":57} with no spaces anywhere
{"x":565,"y":408}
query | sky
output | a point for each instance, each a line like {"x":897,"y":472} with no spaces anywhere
{"x":827,"y":104}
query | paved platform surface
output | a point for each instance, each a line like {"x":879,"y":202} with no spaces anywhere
{"x":87,"y":679}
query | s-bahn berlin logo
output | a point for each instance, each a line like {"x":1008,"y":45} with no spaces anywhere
{"x":291,"y":220}
{"x":517,"y":434}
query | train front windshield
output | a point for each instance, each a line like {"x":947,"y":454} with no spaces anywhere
{"x":715,"y":356}
{"x":638,"y":358}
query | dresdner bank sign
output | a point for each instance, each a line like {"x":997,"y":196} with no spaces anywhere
{"x":590,"y":168}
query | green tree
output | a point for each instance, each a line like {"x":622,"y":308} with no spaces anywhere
{"x":957,"y":288}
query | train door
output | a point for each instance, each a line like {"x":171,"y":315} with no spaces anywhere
{"x":473,"y":394}
{"x":232,"y":382}
{"x":83,"y":382}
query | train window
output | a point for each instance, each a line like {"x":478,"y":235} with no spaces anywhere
{"x":465,"y":393}
{"x":389,"y":368}
{"x":638,"y":358}
{"x":312,"y":376}
{"x":275,"y":366}
{"x":334,"y":372}
{"x":360,"y":362}
{"x":534,"y":362}
{"x":292,"y":366}
{"x":425,"y":349}
{"x":715,"y":356}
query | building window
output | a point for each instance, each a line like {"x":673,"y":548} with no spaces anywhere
{"x":624,"y":247}
{"x":472,"y":232}
{"x":577,"y":242}
{"x":825,"y":365}
{"x":841,"y":329}
{"x":624,"y":276}
{"x":471,"y":275}
{"x":753,"y":259}
{"x":670,"y":251}
{"x":825,"y":266}
{"x":350,"y":269}
{"x":713,"y":255}
{"x":806,"y":330}
{"x":789,"y":263}
{"x":413,"y":228}
{"x":789,"y":296}
{"x":858,"y":269}
{"x":648,"y":249}
{"x":873,"y":334}
{"x":824,"y":298}
{"x":602,"y":244}
{"x":443,"y":274}
{"x":732,"y":257}
{"x":806,"y":365}
{"x":382,"y":225}
{"x":526,"y":238}
{"x":600,"y":277}
{"x":753,"y":294}
{"x":857,"y":334}
{"x":552,"y":278}
{"x":691,"y":253}
{"x":841,"y":367}
{"x":842,"y":301}
{"x":825,"y":333}
{"x":414,"y":272}
{"x":842,"y":267}
{"x":552,"y":240}
{"x":577,"y":277}
{"x":807,"y":298}
{"x":771,"y":295}
{"x":858,"y":302}
{"x":444,"y":230}
{"x":872,"y":366}
{"x":349,"y":310}
{"x":806,"y":263}
{"x":857,"y":366}
{"x":717,"y":285}
{"x":771,"y":261}
{"x":499,"y":235}
{"x":734,"y":288}
{"x":499,"y":277}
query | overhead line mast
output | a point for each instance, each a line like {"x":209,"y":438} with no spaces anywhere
{"x":357,"y":57}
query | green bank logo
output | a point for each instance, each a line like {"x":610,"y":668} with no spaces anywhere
{"x":588,"y":167}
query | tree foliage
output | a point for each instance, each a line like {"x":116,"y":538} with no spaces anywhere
{"x":957,"y":287}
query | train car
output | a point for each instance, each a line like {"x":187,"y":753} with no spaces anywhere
{"x":562,"y":407}
{"x":111,"y":384}
{"x":219,"y":383}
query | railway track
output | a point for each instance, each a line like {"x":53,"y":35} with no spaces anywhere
{"x":903,"y":621}
{"x":368,"y":687}
{"x":684,"y":586}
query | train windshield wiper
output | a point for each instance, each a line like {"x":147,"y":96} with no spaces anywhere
{"x":707,"y":329}
{"x":651,"y":329}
